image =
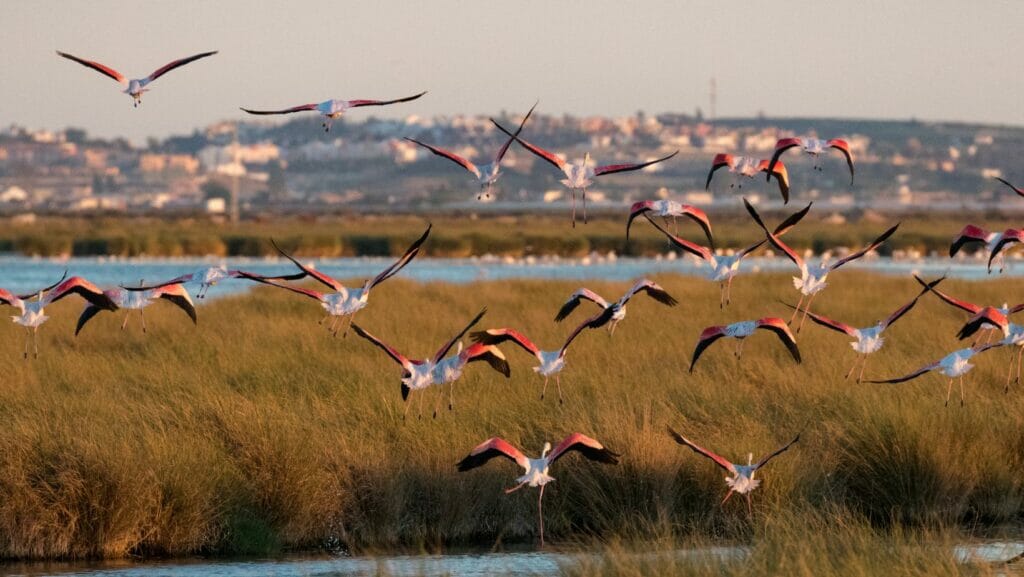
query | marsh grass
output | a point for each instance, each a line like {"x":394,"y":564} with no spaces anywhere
{"x":257,"y":432}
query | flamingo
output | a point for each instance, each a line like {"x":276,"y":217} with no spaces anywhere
{"x":438,"y":370}
{"x":32,"y":314}
{"x":812,"y":277}
{"x":333,"y":109}
{"x":970,"y":308}
{"x":343,"y":301}
{"x":742,"y":330}
{"x":209,"y":277}
{"x":551,"y":362}
{"x":1013,"y":335}
{"x":136,"y":86}
{"x":813,"y":147}
{"x":582,"y":175}
{"x":138,"y":300}
{"x":1019,"y":191}
{"x":742,"y":480}
{"x":954,"y":365}
{"x":486,"y":174}
{"x":741,"y":166}
{"x":616,"y":311}
{"x":725,"y":267}
{"x":537,"y":469}
{"x":994,"y":242}
{"x":868,"y":339}
{"x":667,"y":208}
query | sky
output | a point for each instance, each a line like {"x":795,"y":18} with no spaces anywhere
{"x":926,"y":59}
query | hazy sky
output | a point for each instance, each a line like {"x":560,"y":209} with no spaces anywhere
{"x":930,"y":59}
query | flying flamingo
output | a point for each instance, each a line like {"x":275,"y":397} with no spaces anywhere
{"x":537,"y":469}
{"x":486,"y":174}
{"x":994,"y":242}
{"x":812,"y":277}
{"x":1013,"y":335}
{"x":667,"y":208}
{"x":725,"y":267}
{"x":333,"y":109}
{"x":580,"y":176}
{"x":136,"y":86}
{"x":869,"y":339}
{"x":1019,"y":191}
{"x":742,"y":480}
{"x":813,"y":147}
{"x":438,"y":370}
{"x":342,"y":302}
{"x":742,"y":330}
{"x":209,"y":277}
{"x":954,"y":365}
{"x":551,"y":362}
{"x":970,"y":308}
{"x":32,"y":314}
{"x":616,"y":311}
{"x":745,"y":166}
{"x":138,"y":300}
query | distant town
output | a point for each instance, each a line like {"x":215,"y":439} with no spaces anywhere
{"x":251,"y":168}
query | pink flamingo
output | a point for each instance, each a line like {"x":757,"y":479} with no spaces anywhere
{"x":136,"y":86}
{"x":745,"y":166}
{"x":615,"y":311}
{"x":970,"y":308}
{"x":667,"y":208}
{"x":742,"y":480}
{"x":994,"y":242}
{"x":138,"y":300}
{"x":536,"y":474}
{"x":1013,"y":335}
{"x":954,"y":365}
{"x":742,"y":330}
{"x":813,"y":147}
{"x":209,"y":277}
{"x":334,"y":109}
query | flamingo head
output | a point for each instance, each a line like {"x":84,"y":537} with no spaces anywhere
{"x":750,"y":459}
{"x":545,"y":450}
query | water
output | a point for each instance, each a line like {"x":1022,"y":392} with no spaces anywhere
{"x":532,"y":564}
{"x":24,"y":274}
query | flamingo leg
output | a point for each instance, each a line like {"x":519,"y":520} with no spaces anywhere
{"x":405,"y":413}
{"x":863,"y":363}
{"x":516,"y":488}
{"x":28,"y":337}
{"x":125,"y":322}
{"x":420,"y":407}
{"x":739,"y":348}
{"x":807,"y":309}
{"x":451,"y":396}
{"x":727,"y":495}
{"x":721,"y":295}
{"x":728,"y":291}
{"x":540,"y":515}
{"x":961,"y":390}
{"x":1019,"y":355}
{"x":750,"y":507}
{"x":574,"y":208}
{"x":437,"y":403}
{"x":585,"y":207}
{"x":544,"y":389}
{"x":855,"y":362}
{"x":949,"y":389}
{"x":142,"y":315}
{"x":796,"y":310}
{"x":1009,"y":373}
{"x":675,"y":225}
{"x":348,"y":325}
{"x":323,"y":320}
{"x":558,"y":382}
{"x":35,"y":342}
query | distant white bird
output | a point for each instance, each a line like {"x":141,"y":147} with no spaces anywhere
{"x":813,"y":147}
{"x":1013,"y":335}
{"x":334,"y":109}
{"x":418,"y":375}
{"x":868,"y":339}
{"x":954,"y":365}
{"x":486,"y":174}
{"x":747,"y":167}
{"x":582,"y":175}
{"x":551,"y":362}
{"x":812,"y":277}
{"x":742,"y":330}
{"x":614,"y":312}
{"x":342,"y":302}
{"x":995,"y":242}
{"x":725,"y":267}
{"x":537,"y":469}
{"x":209,"y":277}
{"x":32,"y":314}
{"x":971,"y":308}
{"x":667,"y":208}
{"x":136,"y":86}
{"x":138,"y":300}
{"x":742,"y":480}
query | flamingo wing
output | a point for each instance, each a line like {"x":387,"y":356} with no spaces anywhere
{"x":701,"y":218}
{"x":410,"y":253}
{"x":877,"y":242}
{"x":451,"y":342}
{"x":898,"y":313}
{"x":911,"y":376}
{"x":1010,"y":236}
{"x":843,"y":147}
{"x":827,"y":322}
{"x":490,"y":354}
{"x":1019,"y":191}
{"x":792,"y":220}
{"x":718,"y":459}
{"x":781,"y":146}
{"x":88,"y":313}
{"x":358,"y":103}
{"x":962,"y":305}
{"x":574,"y":301}
{"x":300,"y":108}
{"x":493,"y":447}
{"x":550,"y":157}
{"x":7,"y":298}
{"x":323,"y":278}
{"x":508,"y":143}
{"x":593,"y":322}
{"x":45,"y":290}
{"x":613,"y":168}
{"x":773,"y":238}
{"x":498,"y":336}
{"x":102,"y":69}
{"x":461,"y":161}
{"x":693,"y":248}
{"x":175,"y":64}
{"x":781,"y":329}
{"x":986,"y":317}
{"x":319,"y":296}
{"x":781,"y":175}
{"x":83,"y":288}
{"x":636,"y":210}
{"x":391,"y":352}
{"x":178,"y":296}
{"x":969,"y":234}
{"x":586,"y":446}
{"x":707,"y":337}
{"x":652,"y":289}
{"x":776,"y":453}
{"x":720,"y":161}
